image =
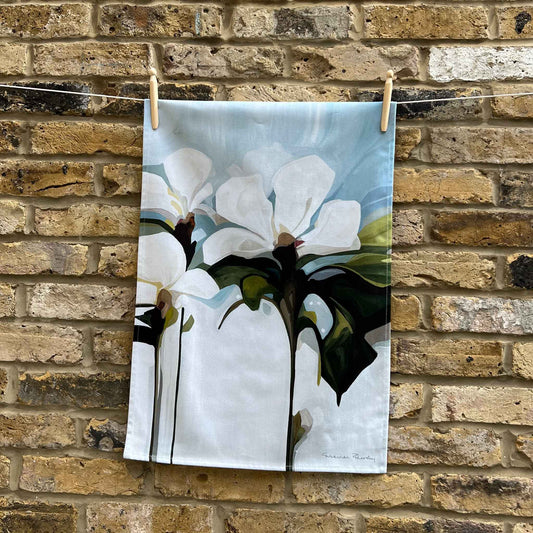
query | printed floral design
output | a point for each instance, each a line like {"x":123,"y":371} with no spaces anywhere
{"x":300,"y":188}
{"x":276,"y":254}
{"x":284,"y":239}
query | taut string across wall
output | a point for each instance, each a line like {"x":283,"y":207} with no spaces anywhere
{"x":481,"y":96}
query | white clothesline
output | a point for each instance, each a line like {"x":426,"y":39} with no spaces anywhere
{"x":42,"y":89}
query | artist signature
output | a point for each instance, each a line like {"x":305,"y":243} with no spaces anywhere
{"x":354,"y":456}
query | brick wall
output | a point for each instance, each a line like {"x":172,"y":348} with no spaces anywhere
{"x":461,"y":440}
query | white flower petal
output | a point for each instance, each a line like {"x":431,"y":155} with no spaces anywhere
{"x":196,"y":282}
{"x":300,"y":188}
{"x":155,"y":197}
{"x":241,"y":200}
{"x":146,"y":293}
{"x":265,"y":161}
{"x":161,"y":259}
{"x":187,"y":169}
{"x":233,"y":241}
{"x":200,"y":196}
{"x":335,"y":229}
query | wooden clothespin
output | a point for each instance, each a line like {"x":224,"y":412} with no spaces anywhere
{"x":387,"y":95}
{"x":154,"y":97}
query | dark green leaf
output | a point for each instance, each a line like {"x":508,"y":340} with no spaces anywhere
{"x":344,"y":353}
{"x":253,"y":289}
{"x":233,"y":269}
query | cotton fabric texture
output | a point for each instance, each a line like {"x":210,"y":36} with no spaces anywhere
{"x":262,"y":329}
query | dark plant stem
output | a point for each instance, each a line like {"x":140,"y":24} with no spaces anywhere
{"x":155,"y":409}
{"x":289,"y":307}
{"x":182,"y":311}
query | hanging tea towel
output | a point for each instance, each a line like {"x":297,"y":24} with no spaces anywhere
{"x":262,"y":324}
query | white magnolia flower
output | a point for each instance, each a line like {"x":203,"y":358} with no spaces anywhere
{"x":300,"y":187}
{"x":187,"y":171}
{"x":162,"y":265}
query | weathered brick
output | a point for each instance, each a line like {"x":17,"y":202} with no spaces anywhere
{"x":45,"y":21}
{"x":415,"y":445}
{"x":512,"y":107}
{"x":482,"y":63}
{"x":425,"y":22}
{"x":388,"y":490}
{"x":219,"y":483}
{"x":383,"y":524}
{"x":261,"y":521}
{"x":104,"y":389}
{"x":118,"y":261}
{"x":492,"y":405}
{"x":309,"y":22}
{"x":46,"y":178}
{"x":482,"y":494}
{"x":106,"y":435}
{"x":443,"y":185}
{"x":407,"y":227}
{"x":523,"y":528}
{"x":523,"y":360}
{"x":166,"y":20}
{"x":91,"y":59}
{"x":37,"y":517}
{"x":406,"y":312}
{"x":448,"y":357}
{"x":4,"y":382}
{"x":32,"y":343}
{"x":478,"y":228}
{"x":167,"y":91}
{"x":121,"y":179}
{"x":14,"y":100}
{"x":4,"y":472}
{"x":516,"y":188}
{"x":7,"y":299}
{"x":515,"y":22}
{"x":442,"y":269}
{"x":11,"y":134}
{"x":519,"y":271}
{"x":407,"y":139}
{"x":448,"y":110}
{"x":86,"y":138}
{"x":81,"y":302}
{"x":524,"y":444}
{"x":406,"y":400}
{"x":139,"y":517}
{"x":31,"y":257}
{"x":184,"y":60}
{"x":481,"y":145}
{"x":113,"y":346}
{"x":13,"y":59}
{"x":12,"y":217}
{"x":88,"y":220}
{"x":37,"y":431}
{"x":354,"y":62}
{"x":287,"y":93}
{"x":78,"y":475}
{"x":483,"y":315}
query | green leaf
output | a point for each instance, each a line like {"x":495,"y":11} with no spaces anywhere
{"x":233,"y":269}
{"x":253,"y":289}
{"x":377,"y":233}
{"x":301,"y":426}
{"x":344,"y":353}
{"x":188,"y":324}
{"x":374,"y":268}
